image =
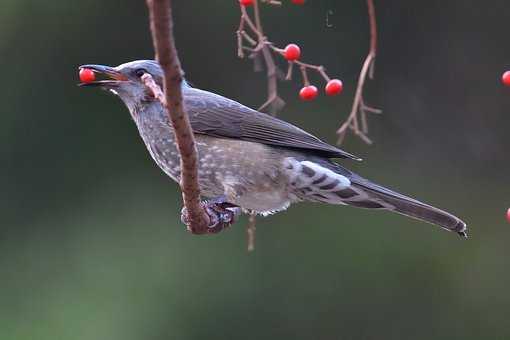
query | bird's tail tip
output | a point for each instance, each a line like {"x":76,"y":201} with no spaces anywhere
{"x":461,"y":230}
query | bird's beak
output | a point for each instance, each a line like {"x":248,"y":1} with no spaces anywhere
{"x":107,"y":76}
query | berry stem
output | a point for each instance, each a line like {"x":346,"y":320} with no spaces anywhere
{"x":272,"y":2}
{"x":319,"y":68}
{"x":304,"y":74}
{"x":248,"y":38}
{"x":289,"y":71}
{"x":256,"y":13}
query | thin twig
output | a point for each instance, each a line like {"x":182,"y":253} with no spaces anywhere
{"x":304,"y":74}
{"x":256,"y":12}
{"x":290,"y":68}
{"x":160,"y":13}
{"x":272,"y":81}
{"x":272,"y":2}
{"x":359,"y":110}
{"x":250,"y":232}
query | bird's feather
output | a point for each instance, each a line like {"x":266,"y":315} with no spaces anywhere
{"x":218,"y":116}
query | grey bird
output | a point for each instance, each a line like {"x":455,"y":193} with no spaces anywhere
{"x":249,"y":159}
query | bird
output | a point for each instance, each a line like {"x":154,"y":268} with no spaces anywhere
{"x":250,"y":160}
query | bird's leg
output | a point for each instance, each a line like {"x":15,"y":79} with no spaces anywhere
{"x":221,"y":214}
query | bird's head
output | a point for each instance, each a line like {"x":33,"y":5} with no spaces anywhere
{"x":125,"y":80}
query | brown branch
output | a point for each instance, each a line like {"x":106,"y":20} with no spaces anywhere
{"x":161,"y":24}
{"x":357,"y":120}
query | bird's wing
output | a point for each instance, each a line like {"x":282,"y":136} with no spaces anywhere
{"x":218,"y":116}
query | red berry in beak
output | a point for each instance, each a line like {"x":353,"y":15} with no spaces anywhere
{"x":87,"y":75}
{"x":308,"y":93}
{"x":334,"y":87}
{"x":246,"y":2}
{"x":292,"y":52}
{"x":506,"y":78}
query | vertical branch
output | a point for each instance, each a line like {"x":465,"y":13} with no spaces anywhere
{"x":161,"y":24}
{"x":359,"y":110}
{"x":258,"y":23}
{"x":272,"y":83}
{"x":373,"y":27}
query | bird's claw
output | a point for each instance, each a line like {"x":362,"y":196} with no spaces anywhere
{"x":221,"y":215}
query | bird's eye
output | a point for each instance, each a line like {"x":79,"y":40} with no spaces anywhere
{"x":140,"y":72}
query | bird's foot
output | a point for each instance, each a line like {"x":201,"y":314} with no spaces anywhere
{"x":221,"y":215}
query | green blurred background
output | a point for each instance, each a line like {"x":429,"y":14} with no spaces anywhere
{"x":91,"y":246}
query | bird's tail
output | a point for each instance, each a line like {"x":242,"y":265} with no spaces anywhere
{"x":384,"y":198}
{"x":328,"y":182}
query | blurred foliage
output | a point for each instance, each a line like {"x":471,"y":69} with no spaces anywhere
{"x":90,"y":241}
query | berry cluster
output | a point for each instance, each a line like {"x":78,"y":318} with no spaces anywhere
{"x":250,"y":38}
{"x":308,"y":92}
{"x":292,"y":53}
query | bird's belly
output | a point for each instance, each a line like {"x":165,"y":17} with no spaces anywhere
{"x":246,"y":174}
{"x":250,"y":183}
{"x":264,"y":202}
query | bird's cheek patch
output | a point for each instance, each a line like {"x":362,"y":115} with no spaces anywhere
{"x":148,"y":96}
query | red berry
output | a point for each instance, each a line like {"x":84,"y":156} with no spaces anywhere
{"x":508,"y":215}
{"x":87,"y":75}
{"x":246,"y":2}
{"x":309,"y":92}
{"x":292,"y":52}
{"x":298,"y":2}
{"x":506,"y":78}
{"x":334,"y":87}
